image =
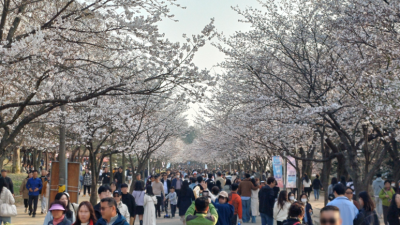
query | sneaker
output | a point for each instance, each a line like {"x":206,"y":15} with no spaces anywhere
{"x":30,"y":213}
{"x":84,"y":195}
{"x":34,"y":215}
{"x":41,"y":212}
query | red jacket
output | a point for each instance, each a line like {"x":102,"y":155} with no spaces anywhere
{"x":236,"y":201}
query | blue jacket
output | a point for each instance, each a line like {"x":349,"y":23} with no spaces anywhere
{"x":225,"y":213}
{"x":308,"y":214}
{"x":348,"y":212}
{"x":34,"y":183}
{"x":120,"y":221}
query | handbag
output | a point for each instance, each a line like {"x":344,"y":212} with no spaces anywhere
{"x":6,"y":209}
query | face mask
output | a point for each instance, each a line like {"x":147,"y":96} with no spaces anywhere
{"x":393,"y":185}
{"x":291,"y":198}
{"x":304,"y":200}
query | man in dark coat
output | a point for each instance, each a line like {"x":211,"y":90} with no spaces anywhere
{"x":104,"y":192}
{"x":167,"y":186}
{"x":266,"y":202}
{"x":129,"y":201}
{"x":8,"y":180}
{"x":118,"y":178}
{"x":106,"y":176}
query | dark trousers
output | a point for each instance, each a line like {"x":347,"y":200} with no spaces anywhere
{"x":33,"y":199}
{"x":173,"y":210}
{"x":158,"y":206}
{"x":279,"y":223}
{"x":86,"y":187}
{"x":26,"y":203}
{"x":385,"y":214}
{"x":165,"y":205}
{"x":234,"y":220}
{"x":178,"y":192}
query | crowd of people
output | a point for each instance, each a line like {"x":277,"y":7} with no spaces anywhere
{"x":202,"y":197}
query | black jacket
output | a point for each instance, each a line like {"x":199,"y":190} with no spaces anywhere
{"x":309,"y":220}
{"x":168,"y":184}
{"x":97,"y":211}
{"x":210,"y":184}
{"x":316,"y":184}
{"x":129,"y":201}
{"x":185,"y":199}
{"x":106,"y":178}
{"x":118,"y":176}
{"x":10,"y":184}
{"x":370,"y":218}
{"x":266,"y":200}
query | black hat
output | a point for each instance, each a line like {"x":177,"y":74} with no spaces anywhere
{"x":116,"y":192}
{"x":124,"y":185}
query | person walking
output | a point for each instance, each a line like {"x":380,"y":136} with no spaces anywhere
{"x":281,"y":208}
{"x":118,"y":178}
{"x":185,"y":199}
{"x":86,"y":215}
{"x":236,"y":201}
{"x":167,"y":186}
{"x":317,"y":186}
{"x":308,"y":209}
{"x":6,"y":197}
{"x":307,"y":185}
{"x":295,"y":215}
{"x":8,"y":181}
{"x":366,"y":214}
{"x":129,"y":201}
{"x":254,"y":201}
{"x":348,"y":211}
{"x":24,"y":191}
{"x":197,"y":213}
{"x":138,"y":194}
{"x":173,"y":199}
{"x":57,"y":210}
{"x":267,"y":200}
{"x":122,"y":208}
{"x":224,"y":209}
{"x":87,"y":182}
{"x":394,"y":210}
{"x":110,"y":214}
{"x":334,"y":181}
{"x":106,"y":177}
{"x":103,"y":192}
{"x":70,"y":208}
{"x":349,"y":194}
{"x":177,"y":183}
{"x":377,"y":186}
{"x":149,"y":201}
{"x":34,"y":185}
{"x":158,"y":190}
{"x":386,"y":195}
{"x":43,"y":192}
{"x":244,"y":191}
{"x":330,"y":215}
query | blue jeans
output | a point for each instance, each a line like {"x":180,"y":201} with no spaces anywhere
{"x":4,"y":220}
{"x":253,"y":219}
{"x":266,"y":220}
{"x":246,"y":208}
{"x":316,"y":193}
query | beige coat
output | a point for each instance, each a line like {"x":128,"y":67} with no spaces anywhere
{"x":24,"y":190}
{"x":123,"y":209}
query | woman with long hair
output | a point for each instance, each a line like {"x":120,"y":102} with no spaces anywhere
{"x":58,"y":214}
{"x":138,"y":194}
{"x":349,"y":193}
{"x":366,"y":214}
{"x":254,"y":201}
{"x":281,"y":208}
{"x":307,"y":185}
{"x":334,"y":181}
{"x":5,"y":197}
{"x":24,"y":191}
{"x":185,"y":198}
{"x":228,"y":185}
{"x":70,"y":208}
{"x":394,"y":210}
{"x":86,"y":215}
{"x":149,"y":202}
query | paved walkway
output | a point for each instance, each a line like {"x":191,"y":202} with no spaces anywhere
{"x":24,"y":219}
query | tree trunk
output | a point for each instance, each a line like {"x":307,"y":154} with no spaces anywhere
{"x":95,"y":176}
{"x":34,"y":159}
{"x":16,"y":161}
{"x":123,"y":168}
{"x":111,"y":168}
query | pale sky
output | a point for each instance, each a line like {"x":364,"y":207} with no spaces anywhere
{"x":192,"y":21}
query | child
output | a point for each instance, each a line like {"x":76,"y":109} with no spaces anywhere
{"x":173,"y":199}
{"x":236,"y":201}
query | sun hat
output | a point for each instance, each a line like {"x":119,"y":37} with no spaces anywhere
{"x":57,"y":207}
{"x":223,"y":194}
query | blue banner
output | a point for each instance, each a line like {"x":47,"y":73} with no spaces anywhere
{"x":277,"y":167}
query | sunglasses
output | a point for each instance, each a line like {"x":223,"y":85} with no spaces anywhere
{"x":328,"y":221}
{"x":349,"y":193}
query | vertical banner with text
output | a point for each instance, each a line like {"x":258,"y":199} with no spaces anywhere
{"x":277,"y":166}
{"x":291,"y":173}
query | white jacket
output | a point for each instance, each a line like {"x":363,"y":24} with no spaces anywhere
{"x":123,"y":209}
{"x":281,"y":214}
{"x":307,"y":184}
{"x":6,"y":197}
